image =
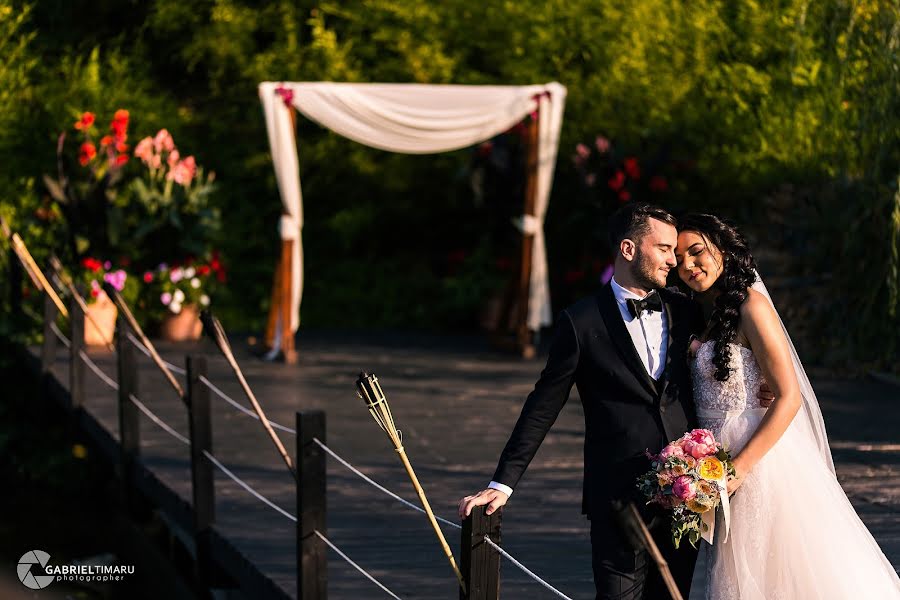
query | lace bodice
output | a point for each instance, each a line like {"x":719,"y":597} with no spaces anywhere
{"x":738,"y":392}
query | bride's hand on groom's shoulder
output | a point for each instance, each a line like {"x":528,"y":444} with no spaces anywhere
{"x":493,"y":498}
{"x":765,"y":395}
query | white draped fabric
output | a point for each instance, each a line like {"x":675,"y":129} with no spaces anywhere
{"x":416,"y":119}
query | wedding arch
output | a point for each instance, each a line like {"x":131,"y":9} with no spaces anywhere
{"x":411,"y":119}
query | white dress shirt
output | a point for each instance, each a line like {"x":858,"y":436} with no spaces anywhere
{"x":649,"y":331}
{"x":650,"y":335}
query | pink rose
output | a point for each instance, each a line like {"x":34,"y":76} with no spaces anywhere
{"x":174,"y":155}
{"x":672,"y":450}
{"x":700,"y":443}
{"x":684,"y":488}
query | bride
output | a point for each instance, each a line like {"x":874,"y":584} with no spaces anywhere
{"x":792,"y":534}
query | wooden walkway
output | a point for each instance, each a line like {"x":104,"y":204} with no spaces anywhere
{"x":456,"y":402}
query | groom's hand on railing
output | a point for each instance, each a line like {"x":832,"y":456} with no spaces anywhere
{"x":493,"y":498}
{"x":765,"y":395}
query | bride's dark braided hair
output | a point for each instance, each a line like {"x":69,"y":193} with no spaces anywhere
{"x":738,"y":274}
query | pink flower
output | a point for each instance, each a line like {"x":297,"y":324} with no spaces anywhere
{"x":172,"y":160}
{"x":582,"y":151}
{"x":700,"y":443}
{"x":684,"y":488}
{"x":116,"y":279}
{"x":183,"y":172}
{"x":165,"y":298}
{"x":144,"y":149}
{"x":287,"y":95}
{"x":672,"y":450}
{"x":163,"y":141}
{"x":602,"y":144}
{"x":155,"y":161}
{"x":590,"y":179}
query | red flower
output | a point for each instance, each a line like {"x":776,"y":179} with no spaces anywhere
{"x":121,"y":146}
{"x":92,"y":264}
{"x":617,"y":182}
{"x":220,"y":276}
{"x":658,"y":183}
{"x":624,"y":195}
{"x":215,"y":264}
{"x":148,"y":276}
{"x":632,"y":168}
{"x":87,"y":119}
{"x":106,"y":140}
{"x":119,"y":125}
{"x":95,"y":292}
{"x":203,"y":270}
{"x":86,"y":153}
{"x":121,"y":160}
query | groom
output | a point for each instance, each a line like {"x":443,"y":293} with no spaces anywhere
{"x":626,"y":351}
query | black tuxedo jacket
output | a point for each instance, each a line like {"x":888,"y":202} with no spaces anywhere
{"x":626,"y":411}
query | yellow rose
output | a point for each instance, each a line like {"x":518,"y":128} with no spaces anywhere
{"x":697,"y":507}
{"x":711,"y":468}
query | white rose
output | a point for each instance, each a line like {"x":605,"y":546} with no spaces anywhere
{"x":175,"y":307}
{"x":204,"y":300}
{"x":178,"y":296}
{"x":195,"y":283}
{"x":189,"y":272}
{"x":176,"y":275}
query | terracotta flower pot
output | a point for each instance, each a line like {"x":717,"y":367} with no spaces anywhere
{"x":100,"y":322}
{"x":183,"y":327}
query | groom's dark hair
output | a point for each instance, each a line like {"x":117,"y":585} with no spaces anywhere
{"x":632,"y":222}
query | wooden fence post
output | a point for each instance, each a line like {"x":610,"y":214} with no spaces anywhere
{"x":480,"y":563}
{"x":76,"y":346}
{"x":312,"y":563}
{"x":129,"y":421}
{"x":48,"y":349}
{"x":204,"y":506}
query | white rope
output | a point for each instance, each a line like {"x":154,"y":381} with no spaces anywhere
{"x":356,"y":566}
{"x":140,"y":346}
{"x":247,"y":487}
{"x":369,"y":480}
{"x":158,"y":421}
{"x":524,"y":568}
{"x":93,"y":366}
{"x":212,"y":458}
{"x":253,"y":492}
{"x":240,"y":406}
{"x":62,"y":337}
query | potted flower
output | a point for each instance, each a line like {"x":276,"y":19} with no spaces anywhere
{"x":178,"y":293}
{"x":87,"y":182}
{"x":100,"y":317}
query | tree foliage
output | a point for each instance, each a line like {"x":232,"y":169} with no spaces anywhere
{"x":788,"y":112}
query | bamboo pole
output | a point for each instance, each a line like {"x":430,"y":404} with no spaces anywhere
{"x":633,"y":522}
{"x":214,"y":329}
{"x":371,"y":393}
{"x":116,"y":297}
{"x":31,"y":267}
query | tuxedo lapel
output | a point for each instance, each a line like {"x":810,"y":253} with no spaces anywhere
{"x":618,"y":333}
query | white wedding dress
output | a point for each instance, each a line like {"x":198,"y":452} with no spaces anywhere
{"x":793,"y":534}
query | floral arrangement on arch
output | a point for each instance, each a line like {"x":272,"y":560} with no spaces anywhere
{"x":172,"y":288}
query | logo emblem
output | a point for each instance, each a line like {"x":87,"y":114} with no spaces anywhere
{"x":27,"y":577}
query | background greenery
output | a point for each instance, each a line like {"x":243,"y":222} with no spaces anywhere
{"x":782,"y":115}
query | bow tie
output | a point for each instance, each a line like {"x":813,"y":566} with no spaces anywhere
{"x":650,"y":302}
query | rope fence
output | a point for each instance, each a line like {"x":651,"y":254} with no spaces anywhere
{"x":91,"y":364}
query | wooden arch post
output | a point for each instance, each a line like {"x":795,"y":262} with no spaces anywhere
{"x":513,"y":312}
{"x":282,"y":289}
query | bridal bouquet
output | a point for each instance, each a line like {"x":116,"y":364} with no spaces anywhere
{"x":688,"y":477}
